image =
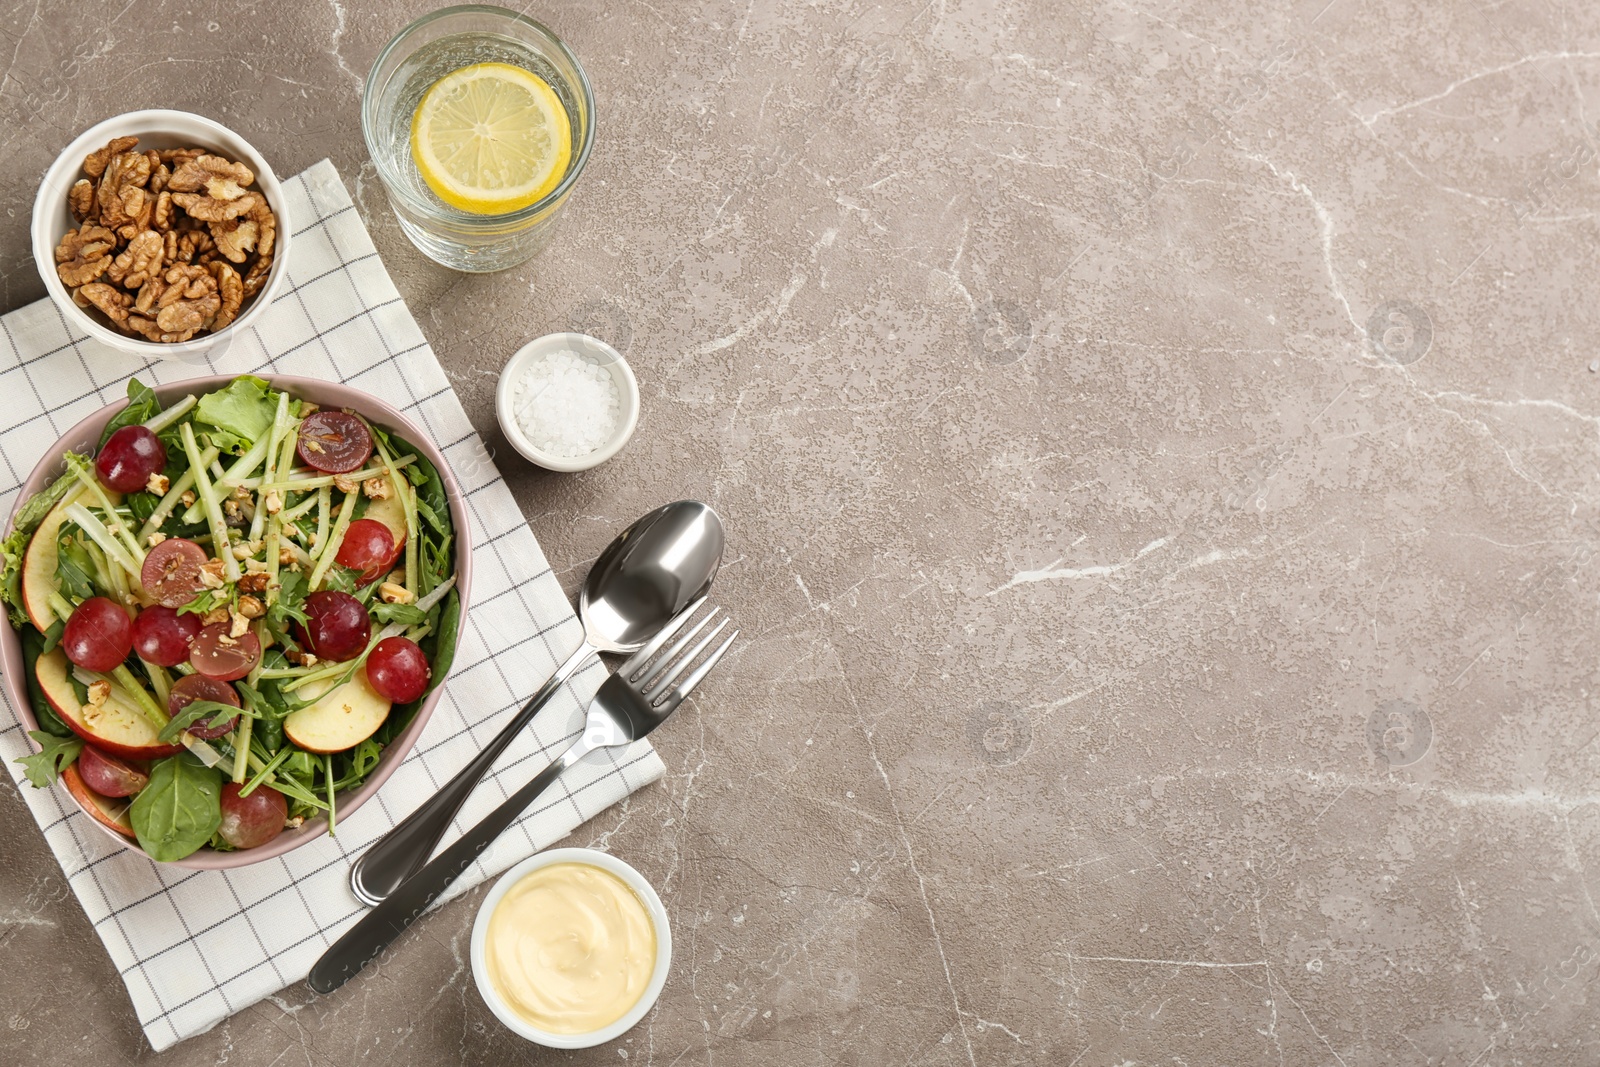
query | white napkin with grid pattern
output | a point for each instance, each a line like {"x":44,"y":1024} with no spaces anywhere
{"x":194,"y":947}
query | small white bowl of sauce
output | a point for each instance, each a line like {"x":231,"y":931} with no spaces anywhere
{"x":571,"y":948}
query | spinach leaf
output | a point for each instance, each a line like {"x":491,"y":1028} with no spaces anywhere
{"x":268,"y":711}
{"x":52,"y":636}
{"x":179,"y":810}
{"x":444,"y":650}
{"x":142,"y":504}
{"x":43,"y":711}
{"x":56,"y":755}
{"x":142,"y":407}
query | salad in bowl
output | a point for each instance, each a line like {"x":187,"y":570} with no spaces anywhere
{"x":227,"y":607}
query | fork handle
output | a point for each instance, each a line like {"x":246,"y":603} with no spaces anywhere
{"x":377,"y":929}
{"x":402,"y":851}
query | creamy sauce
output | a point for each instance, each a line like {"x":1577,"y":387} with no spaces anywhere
{"x":570,"y":948}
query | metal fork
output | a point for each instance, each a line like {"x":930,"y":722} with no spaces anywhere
{"x":643,"y":693}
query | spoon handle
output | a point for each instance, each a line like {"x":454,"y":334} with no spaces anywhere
{"x":403,"y":850}
{"x":377,"y":929}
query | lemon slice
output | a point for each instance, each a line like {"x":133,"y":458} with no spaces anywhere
{"x":491,"y":138}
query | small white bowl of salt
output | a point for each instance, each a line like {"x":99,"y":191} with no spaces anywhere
{"x":567,"y":401}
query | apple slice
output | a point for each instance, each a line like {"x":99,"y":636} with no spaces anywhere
{"x":103,"y":810}
{"x":39,"y":561}
{"x":338,"y":720}
{"x":113,"y":726}
{"x":392,"y":514}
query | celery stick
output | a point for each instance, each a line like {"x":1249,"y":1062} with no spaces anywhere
{"x":300,"y":485}
{"x":324,"y":506}
{"x":172,"y":499}
{"x":311,"y":501}
{"x":171,"y":415}
{"x":219,"y":529}
{"x":328,"y":549}
{"x":102,"y":537}
{"x":280,"y":422}
{"x":158,"y":680}
{"x":223,"y":486}
{"x":118,"y":527}
{"x":60,"y":605}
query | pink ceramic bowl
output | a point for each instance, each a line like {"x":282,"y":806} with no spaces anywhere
{"x":85,"y":436}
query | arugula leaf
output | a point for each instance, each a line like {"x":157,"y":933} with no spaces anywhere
{"x":409,"y":614}
{"x":56,"y":754}
{"x":205,"y":601}
{"x":142,"y":407}
{"x":216,"y":712}
{"x":179,"y":810}
{"x":29,"y":516}
{"x":75,"y":570}
{"x":289,"y":607}
{"x":239,"y":415}
{"x":43,"y":712}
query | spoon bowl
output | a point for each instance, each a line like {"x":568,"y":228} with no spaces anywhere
{"x":649,"y":574}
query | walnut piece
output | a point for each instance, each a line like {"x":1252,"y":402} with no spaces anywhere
{"x":209,"y":209}
{"x":236,"y":237}
{"x":217,"y":176}
{"x":80,"y":198}
{"x":376,"y":488}
{"x":151,"y":332}
{"x":249,"y":606}
{"x":161,"y":216}
{"x":158,"y":484}
{"x":122,"y":196}
{"x":112,"y":302}
{"x":140,"y":261}
{"x":252,"y":583}
{"x":187,"y":316}
{"x":99,"y":692}
{"x":231,"y":289}
{"x":214,"y":616}
{"x":84,"y":254}
{"x":395,"y":594}
{"x":176,"y":157}
{"x":255,"y":278}
{"x":155,"y":538}
{"x":94,"y":164}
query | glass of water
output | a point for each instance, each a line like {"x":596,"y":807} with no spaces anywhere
{"x":424,"y":52}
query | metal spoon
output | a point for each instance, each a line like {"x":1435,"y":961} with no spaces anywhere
{"x":643,"y":579}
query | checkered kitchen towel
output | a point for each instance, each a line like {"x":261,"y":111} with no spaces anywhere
{"x":196,"y":946}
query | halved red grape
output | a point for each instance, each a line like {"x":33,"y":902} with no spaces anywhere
{"x":368,"y":547}
{"x":108,"y":775}
{"x":333,"y":442}
{"x":217,"y":654}
{"x":129,"y":458}
{"x":99,"y":635}
{"x":171,"y":571}
{"x":252,"y":821}
{"x":398,"y":669}
{"x":192,"y":687}
{"x":337,"y":627}
{"x":162,"y":636}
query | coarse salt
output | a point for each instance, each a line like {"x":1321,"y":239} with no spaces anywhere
{"x":567,"y":404}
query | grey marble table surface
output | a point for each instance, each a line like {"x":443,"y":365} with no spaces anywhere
{"x":1159,"y":449}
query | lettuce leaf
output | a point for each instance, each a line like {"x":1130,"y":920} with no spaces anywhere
{"x":236,"y":417}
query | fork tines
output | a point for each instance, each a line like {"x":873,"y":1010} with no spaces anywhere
{"x":655,"y":684}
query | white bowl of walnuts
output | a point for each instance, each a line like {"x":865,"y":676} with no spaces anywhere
{"x":160,"y":233}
